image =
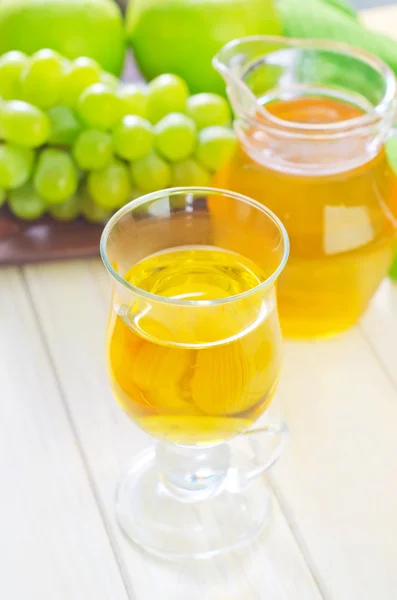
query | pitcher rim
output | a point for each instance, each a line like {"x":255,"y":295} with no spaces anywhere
{"x":377,"y":113}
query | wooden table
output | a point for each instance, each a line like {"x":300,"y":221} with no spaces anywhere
{"x":64,"y":444}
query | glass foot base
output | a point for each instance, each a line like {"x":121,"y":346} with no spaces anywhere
{"x":176,"y":526}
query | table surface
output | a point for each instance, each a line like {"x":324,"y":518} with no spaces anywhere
{"x":64,"y":444}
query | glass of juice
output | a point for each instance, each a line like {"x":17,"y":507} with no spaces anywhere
{"x":312,"y":118}
{"x":194,"y":352}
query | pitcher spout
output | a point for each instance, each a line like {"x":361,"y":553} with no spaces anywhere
{"x":249,"y":69}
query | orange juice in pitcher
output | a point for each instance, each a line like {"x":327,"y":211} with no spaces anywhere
{"x":312,"y":119}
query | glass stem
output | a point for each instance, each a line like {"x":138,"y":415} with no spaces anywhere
{"x":192,"y":472}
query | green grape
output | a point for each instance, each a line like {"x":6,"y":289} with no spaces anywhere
{"x":151,"y":173}
{"x":109,"y":80}
{"x":110,"y":188}
{"x":215,"y":146}
{"x":93,"y":150}
{"x":134,"y":99}
{"x":67,"y":66}
{"x":99,"y":107}
{"x":166,"y":93}
{"x":3,"y":196}
{"x":208,"y":109}
{"x":56,"y":177}
{"x":11,"y":66}
{"x":93,"y":213}
{"x":175,"y":137}
{"x":42,"y":78}
{"x":133,"y":138}
{"x":25,"y":203}
{"x":189,"y":172}
{"x":65,"y":127}
{"x":16,"y":165}
{"x":83,"y":72}
{"x":68,"y":210}
{"x":391,"y":153}
{"x":24,"y":124}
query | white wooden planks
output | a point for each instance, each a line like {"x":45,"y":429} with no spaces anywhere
{"x":72,"y":305}
{"x":52,"y":540}
{"x":337,"y":483}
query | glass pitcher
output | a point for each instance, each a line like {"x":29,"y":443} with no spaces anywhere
{"x":312,"y":118}
{"x":194,"y":354}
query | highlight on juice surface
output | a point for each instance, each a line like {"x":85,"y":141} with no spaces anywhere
{"x":312,"y":119}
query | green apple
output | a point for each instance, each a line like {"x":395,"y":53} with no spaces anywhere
{"x":92,"y":28}
{"x":182,"y":36}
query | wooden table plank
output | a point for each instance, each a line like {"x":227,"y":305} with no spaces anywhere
{"x":337,"y":481}
{"x":72,"y":304}
{"x":53,"y":541}
{"x":380,"y":328}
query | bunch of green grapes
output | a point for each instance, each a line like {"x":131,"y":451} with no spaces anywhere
{"x":77,"y":142}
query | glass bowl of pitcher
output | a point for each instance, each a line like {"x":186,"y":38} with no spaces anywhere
{"x":194,"y":352}
{"x":312,"y":119}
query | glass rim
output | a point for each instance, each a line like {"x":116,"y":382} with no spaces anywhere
{"x":157,"y":195}
{"x":340,"y":128}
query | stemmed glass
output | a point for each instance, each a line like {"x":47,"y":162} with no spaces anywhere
{"x":194,"y":352}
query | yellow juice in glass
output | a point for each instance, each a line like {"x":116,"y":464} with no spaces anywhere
{"x":216,"y":383}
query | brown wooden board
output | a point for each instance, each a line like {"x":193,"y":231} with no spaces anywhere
{"x":45,"y":239}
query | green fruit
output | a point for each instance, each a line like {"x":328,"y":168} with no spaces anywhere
{"x":16,"y":165}
{"x":74,"y":28}
{"x":82,"y":73}
{"x":167,"y":93}
{"x":25,"y":203}
{"x":189,"y":173}
{"x":182,"y":36}
{"x":42,"y":78}
{"x":93,"y":213}
{"x":24,"y":124}
{"x":93,"y":150}
{"x":134,"y":99}
{"x":68,"y":210}
{"x":215,"y":146}
{"x":208,"y":109}
{"x":133,"y":138}
{"x":110,"y":81}
{"x":65,"y":127}
{"x":175,"y":137}
{"x":56,"y":177}
{"x":99,"y":107}
{"x":11,"y":66}
{"x":110,"y":188}
{"x":151,"y":173}
{"x":391,"y":153}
